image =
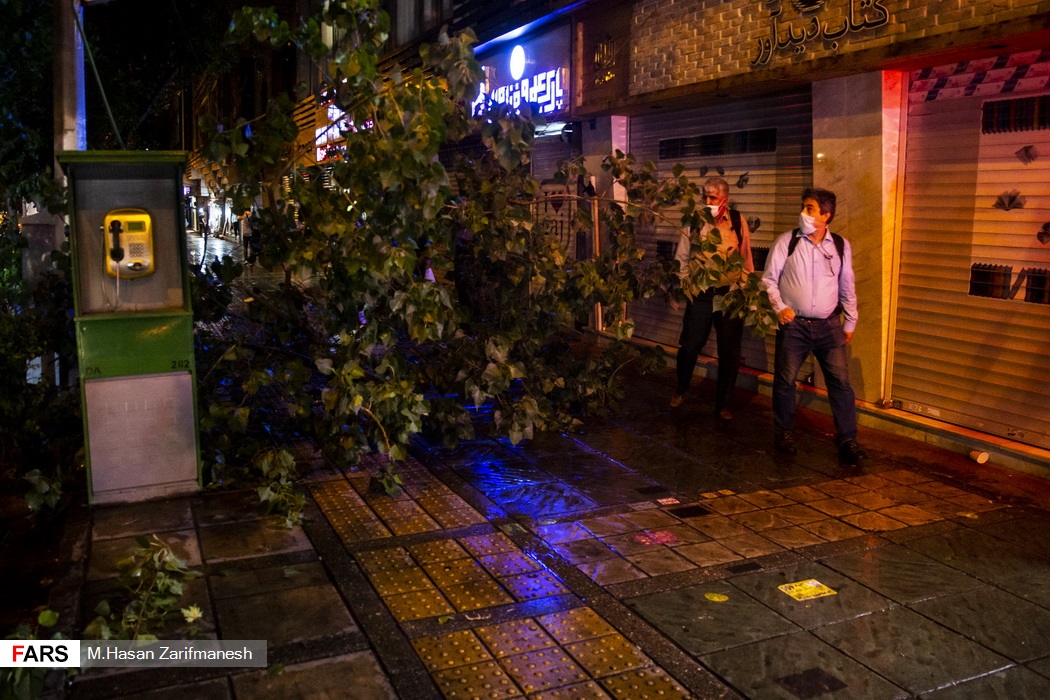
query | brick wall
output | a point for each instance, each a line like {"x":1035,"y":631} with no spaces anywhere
{"x":675,"y":43}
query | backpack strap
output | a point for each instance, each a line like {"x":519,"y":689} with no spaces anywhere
{"x":839,"y":241}
{"x":734,"y":221}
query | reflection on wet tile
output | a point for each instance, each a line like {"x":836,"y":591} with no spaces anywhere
{"x":832,"y":530}
{"x":839,"y":488}
{"x":718,"y":526}
{"x":802,"y":494}
{"x":561,"y":532}
{"x":710,"y":617}
{"x":608,"y":525}
{"x":130,"y":519}
{"x":910,"y":515}
{"x":767,"y":499}
{"x":761,"y":520}
{"x":1033,"y":586}
{"x":850,"y":600}
{"x":651,"y":520}
{"x":509,"y":563}
{"x":797,"y":663}
{"x":1017,"y":682}
{"x":872,"y":482}
{"x":660,"y":562}
{"x":869,"y":500}
{"x":911,"y":651}
{"x":610,"y":571}
{"x":979,"y":554}
{"x":749,"y":546}
{"x":792,"y":537}
{"x":873,"y":522}
{"x":581,"y":551}
{"x":798,"y":514}
{"x":707,"y":553}
{"x":543,"y":499}
{"x":730,"y":505}
{"x":905,"y":494}
{"x":836,"y":507}
{"x":1002,"y":622}
{"x":901,"y":574}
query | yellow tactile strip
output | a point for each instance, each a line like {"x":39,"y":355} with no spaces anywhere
{"x":617,"y":548}
{"x":359,"y":515}
{"x":570,"y":654}
{"x":442,"y":577}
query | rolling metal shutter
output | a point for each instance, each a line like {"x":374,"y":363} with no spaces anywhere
{"x":774,"y":180}
{"x":973,"y":314}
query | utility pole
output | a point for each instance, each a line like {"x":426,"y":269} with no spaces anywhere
{"x":70,"y":109}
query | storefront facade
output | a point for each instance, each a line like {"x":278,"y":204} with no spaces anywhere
{"x":931,"y":121}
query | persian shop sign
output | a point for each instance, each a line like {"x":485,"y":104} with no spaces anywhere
{"x":856,"y":16}
{"x":535,"y":72}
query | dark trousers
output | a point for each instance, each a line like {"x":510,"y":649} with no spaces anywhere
{"x":827,"y":341}
{"x":700,"y":316}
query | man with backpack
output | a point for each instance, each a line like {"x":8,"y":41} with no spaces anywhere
{"x":810,"y":281}
{"x":700,"y":314}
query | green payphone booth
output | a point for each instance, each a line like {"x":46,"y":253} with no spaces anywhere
{"x":134,"y":324}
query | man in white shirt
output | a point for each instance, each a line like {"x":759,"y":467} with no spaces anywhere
{"x":810,"y":281}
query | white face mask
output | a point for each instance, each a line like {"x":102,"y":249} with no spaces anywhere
{"x":807,"y":224}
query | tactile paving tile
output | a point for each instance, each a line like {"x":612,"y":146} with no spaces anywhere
{"x":515,"y":637}
{"x":578,"y":691}
{"x":437,"y":550}
{"x":643,"y":684}
{"x":451,"y":650}
{"x":537,"y":584}
{"x":483,"y":680}
{"x":509,"y":563}
{"x":455,"y":571}
{"x":459,"y":517}
{"x":389,"y":583}
{"x":388,"y":559}
{"x":412,"y":526}
{"x":351,"y":532}
{"x":492,"y":543}
{"x":417,"y":605}
{"x":543,"y":669}
{"x":476,"y":595}
{"x":396,"y":510}
{"x":604,"y":656}
{"x":337,"y":493}
{"x":574,"y":625}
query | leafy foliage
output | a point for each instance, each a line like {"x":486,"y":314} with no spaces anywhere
{"x":25,"y":682}
{"x":152,"y":577}
{"x":412,"y":294}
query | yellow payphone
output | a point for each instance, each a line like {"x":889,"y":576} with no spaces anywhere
{"x":128,"y":236}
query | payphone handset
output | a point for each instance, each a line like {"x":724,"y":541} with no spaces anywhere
{"x":128,"y":236}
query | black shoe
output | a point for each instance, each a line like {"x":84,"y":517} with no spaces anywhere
{"x":785,"y":442}
{"x":852,"y":453}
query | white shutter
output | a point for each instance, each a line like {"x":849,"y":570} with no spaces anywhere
{"x":974,"y":360}
{"x":774,"y":182}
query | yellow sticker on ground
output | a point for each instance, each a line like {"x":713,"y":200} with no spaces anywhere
{"x":716,"y":597}
{"x":807,"y":590}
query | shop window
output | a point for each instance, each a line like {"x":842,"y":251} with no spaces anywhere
{"x":990,"y":280}
{"x":1021,"y":114}
{"x":724,"y":144}
{"x":1037,"y":290}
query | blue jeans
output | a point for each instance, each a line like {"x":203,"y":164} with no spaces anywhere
{"x":699,"y":318}
{"x":827,"y":341}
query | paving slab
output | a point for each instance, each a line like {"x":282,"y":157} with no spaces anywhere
{"x":911,"y":651}
{"x":799,"y":666}
{"x":328,"y":679}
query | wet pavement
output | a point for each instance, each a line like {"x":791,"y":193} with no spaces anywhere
{"x":655,"y":554}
